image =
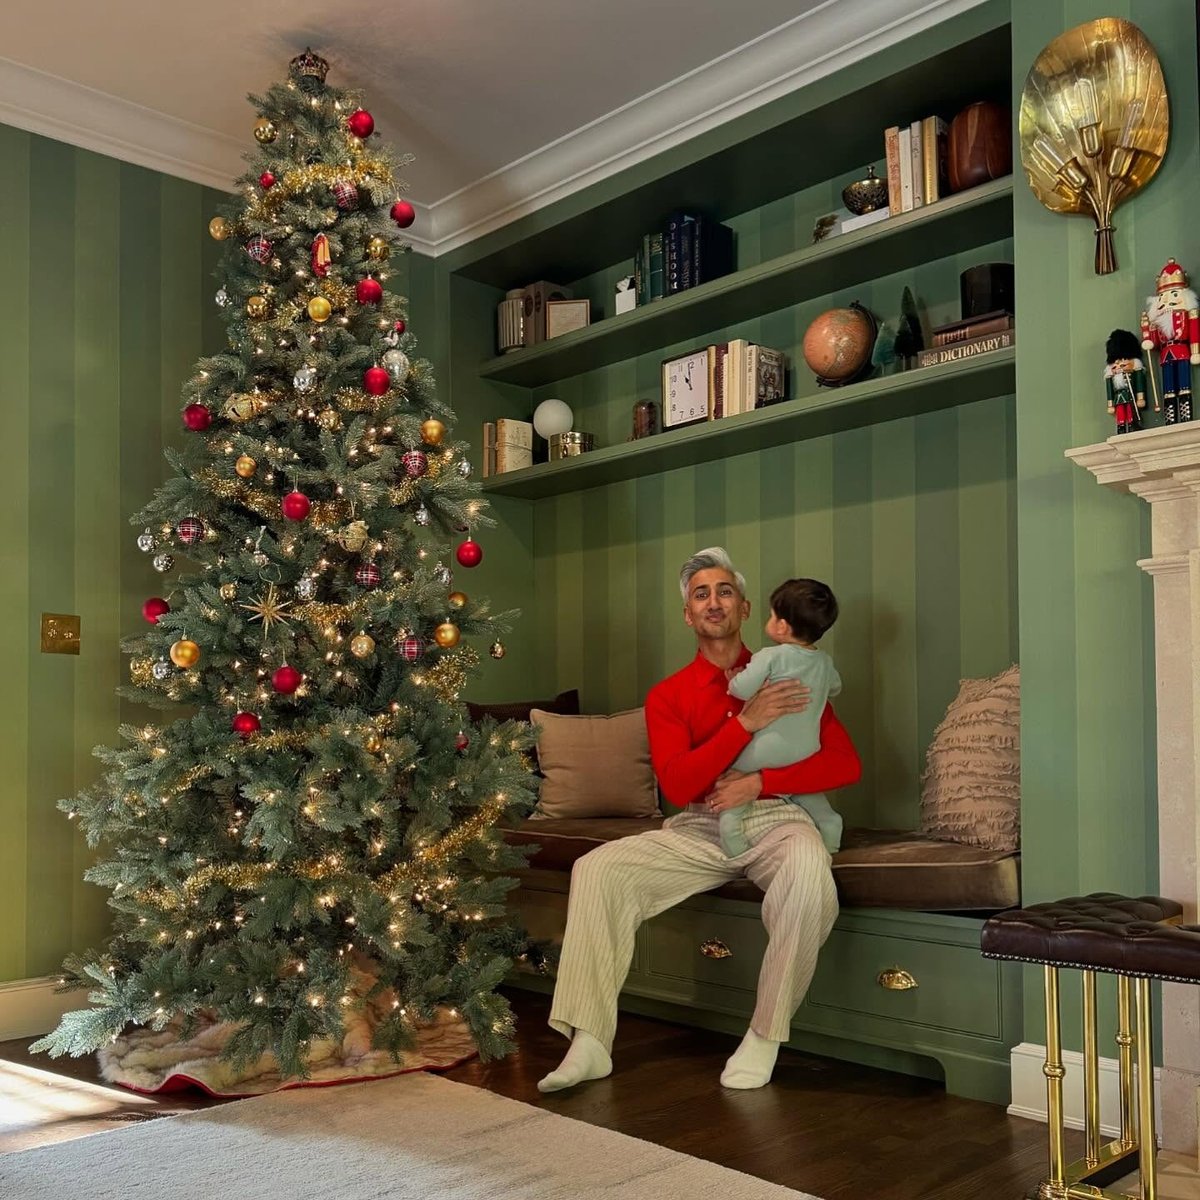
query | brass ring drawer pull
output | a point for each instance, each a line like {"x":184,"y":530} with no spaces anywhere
{"x":896,"y":979}
{"x":715,"y":948}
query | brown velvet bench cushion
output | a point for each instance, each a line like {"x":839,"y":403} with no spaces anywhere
{"x":1122,"y":935}
{"x":876,"y":868}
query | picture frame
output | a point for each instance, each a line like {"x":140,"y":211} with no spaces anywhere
{"x":565,"y":316}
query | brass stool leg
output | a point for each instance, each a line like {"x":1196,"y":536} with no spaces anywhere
{"x":1091,"y":1072}
{"x":1125,"y":1055}
{"x":1055,"y":1183}
{"x":1147,"y":1137}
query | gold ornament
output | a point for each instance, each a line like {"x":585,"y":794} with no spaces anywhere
{"x":245,"y":466}
{"x":329,"y":420}
{"x":229,"y":591}
{"x":257,"y":307}
{"x":269,"y":608}
{"x":185,"y":653}
{"x":377,"y":249}
{"x":265,"y":131}
{"x":457,"y":599}
{"x":373,"y":743}
{"x":446,"y":635}
{"x":353,"y":537}
{"x":432,"y":431}
{"x":362,"y":645}
{"x":219,"y":228}
{"x":245,"y":406}
{"x":497,"y":649}
{"x":319,"y":309}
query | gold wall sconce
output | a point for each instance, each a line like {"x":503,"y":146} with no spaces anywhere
{"x":1094,"y":123}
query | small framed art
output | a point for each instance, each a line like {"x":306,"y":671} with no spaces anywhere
{"x":563,"y":316}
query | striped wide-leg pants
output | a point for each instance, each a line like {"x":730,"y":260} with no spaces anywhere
{"x":623,"y":883}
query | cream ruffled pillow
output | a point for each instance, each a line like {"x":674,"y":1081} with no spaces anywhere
{"x":971,"y":789}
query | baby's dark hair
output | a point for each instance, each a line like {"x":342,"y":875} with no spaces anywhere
{"x":807,"y":605}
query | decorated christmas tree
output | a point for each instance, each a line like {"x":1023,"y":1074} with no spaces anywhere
{"x":312,"y":830}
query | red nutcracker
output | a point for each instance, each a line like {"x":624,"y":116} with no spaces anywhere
{"x":1124,"y":380}
{"x":1171,"y":323}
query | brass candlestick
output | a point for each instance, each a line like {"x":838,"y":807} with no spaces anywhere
{"x":1094,"y":123}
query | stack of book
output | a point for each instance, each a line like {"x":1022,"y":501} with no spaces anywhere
{"x":691,"y":249}
{"x":744,"y":376}
{"x":969,"y":337}
{"x":507,"y":446}
{"x":916,"y":164}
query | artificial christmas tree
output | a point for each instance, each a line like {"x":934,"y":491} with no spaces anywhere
{"x":313,"y":836}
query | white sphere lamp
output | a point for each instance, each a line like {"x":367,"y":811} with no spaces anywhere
{"x":551,"y":417}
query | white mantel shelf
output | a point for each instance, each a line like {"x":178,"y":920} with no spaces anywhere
{"x":1162,"y":467}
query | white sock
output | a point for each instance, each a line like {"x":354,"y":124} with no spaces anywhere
{"x":586,"y":1059}
{"x":751,"y":1064}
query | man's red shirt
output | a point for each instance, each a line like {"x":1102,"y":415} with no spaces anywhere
{"x":695,"y":736}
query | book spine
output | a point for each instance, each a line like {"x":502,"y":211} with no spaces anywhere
{"x":719,"y":380}
{"x":969,"y":349}
{"x":658,"y":281}
{"x":639,"y":277}
{"x":906,"y":192}
{"x":751,"y":384}
{"x":964,"y":333}
{"x":687,"y":235}
{"x":891,"y":144}
{"x":644,"y":294}
{"x":712,"y":251}
{"x":932,"y":129}
{"x":672,"y":246}
{"x":918,"y":171}
{"x":489,"y":449}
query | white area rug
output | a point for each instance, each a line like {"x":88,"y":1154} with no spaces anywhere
{"x":412,"y":1136}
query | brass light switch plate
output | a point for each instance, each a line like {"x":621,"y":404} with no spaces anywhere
{"x":60,"y":633}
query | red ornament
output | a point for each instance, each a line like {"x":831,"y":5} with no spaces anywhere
{"x":259,"y":248}
{"x":403,"y":213}
{"x":266,"y":180}
{"x":411,"y":649}
{"x":461,"y":742}
{"x":154,"y":608}
{"x":415,"y":463}
{"x":367,"y":576}
{"x":295,"y":506}
{"x":320,"y":255}
{"x":469,"y":553}
{"x":361,"y":123}
{"x":197,"y":417}
{"x":246,"y":724}
{"x":190,"y":529}
{"x":345,"y":193}
{"x":286,"y":680}
{"x":400,"y":327}
{"x":376,"y":381}
{"x":368,"y":291}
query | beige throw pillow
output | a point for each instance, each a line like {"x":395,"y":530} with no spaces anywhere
{"x":971,"y":789}
{"x":595,"y":766}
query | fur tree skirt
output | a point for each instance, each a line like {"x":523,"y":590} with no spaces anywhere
{"x":147,"y":1061}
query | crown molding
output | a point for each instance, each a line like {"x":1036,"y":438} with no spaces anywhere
{"x":811,"y":46}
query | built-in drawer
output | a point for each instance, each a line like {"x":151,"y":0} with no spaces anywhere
{"x":720,"y":948}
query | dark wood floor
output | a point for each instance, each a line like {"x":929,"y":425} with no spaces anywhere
{"x":824,"y":1127}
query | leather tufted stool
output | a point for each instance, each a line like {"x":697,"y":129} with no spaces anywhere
{"x":1137,"y":940}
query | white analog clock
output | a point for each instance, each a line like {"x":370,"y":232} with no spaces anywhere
{"x":686,"y":396}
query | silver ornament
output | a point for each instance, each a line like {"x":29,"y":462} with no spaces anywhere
{"x":395,"y":363}
{"x":163,"y":563}
{"x":259,"y":558}
{"x":145,"y":542}
{"x":305,"y":379}
{"x":391,"y":338}
{"x":464,"y":468}
{"x":421,"y":516}
{"x":161,"y":670}
{"x":306,"y":588}
{"x":496,"y":650}
{"x":222,"y":298}
{"x":442,"y":574}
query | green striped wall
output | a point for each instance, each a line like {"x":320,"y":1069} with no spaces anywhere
{"x":107,"y":304}
{"x":911,"y":523}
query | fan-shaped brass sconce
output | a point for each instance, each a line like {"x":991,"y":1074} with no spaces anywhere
{"x":1094,"y":123}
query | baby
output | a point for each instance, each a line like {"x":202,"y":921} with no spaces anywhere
{"x":801,"y":611}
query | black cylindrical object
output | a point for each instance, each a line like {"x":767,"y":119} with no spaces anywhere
{"x":986,"y":288}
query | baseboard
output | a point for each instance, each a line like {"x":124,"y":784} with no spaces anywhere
{"x":31,"y":1007}
{"x":1029,"y":1089}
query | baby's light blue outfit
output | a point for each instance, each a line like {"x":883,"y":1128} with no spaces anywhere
{"x":787,"y":739}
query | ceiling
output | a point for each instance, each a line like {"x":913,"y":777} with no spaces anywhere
{"x":503,"y":105}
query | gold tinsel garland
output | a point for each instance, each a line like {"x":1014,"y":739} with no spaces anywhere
{"x":263,"y":207}
{"x":324,"y":514}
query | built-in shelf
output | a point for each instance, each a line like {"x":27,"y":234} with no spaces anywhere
{"x":832,"y":411}
{"x":973,"y":218}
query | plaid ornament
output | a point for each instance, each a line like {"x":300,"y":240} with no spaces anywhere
{"x":190,"y":529}
{"x":345,"y":193}
{"x":259,"y":248}
{"x":411,"y":649}
{"x":367,"y":576}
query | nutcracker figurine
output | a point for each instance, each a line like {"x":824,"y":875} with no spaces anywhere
{"x":1124,"y":379}
{"x":1171,"y":322}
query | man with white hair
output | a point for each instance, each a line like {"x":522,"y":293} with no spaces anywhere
{"x":696,"y":731}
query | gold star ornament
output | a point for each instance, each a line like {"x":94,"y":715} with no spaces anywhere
{"x":269,"y":608}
